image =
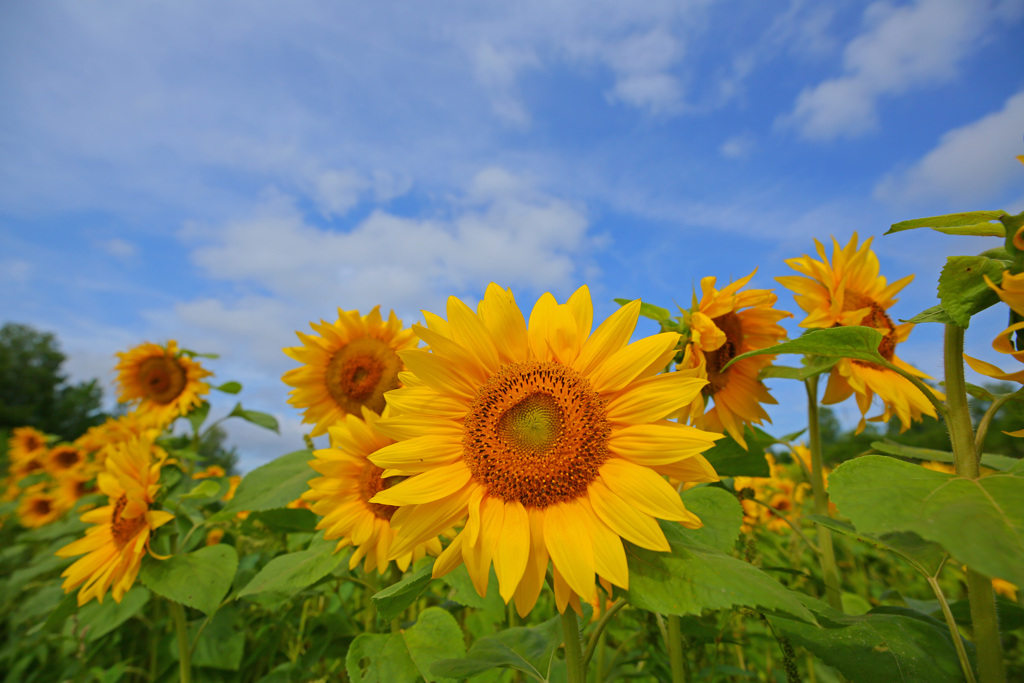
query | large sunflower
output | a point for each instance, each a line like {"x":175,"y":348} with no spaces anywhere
{"x":115,"y":545}
{"x":550,"y":441}
{"x":342,"y":495}
{"x":724,"y":324}
{"x":348,"y":366}
{"x":848,"y":290}
{"x":165,"y":382}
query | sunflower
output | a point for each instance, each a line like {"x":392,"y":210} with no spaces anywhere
{"x":25,"y":443}
{"x":347,"y":367}
{"x":132,"y":425}
{"x":38,"y":507}
{"x":342,"y":495}
{"x":211,"y":471}
{"x":73,"y":485}
{"x":551,"y":442}
{"x":782,"y":496}
{"x":724,"y":324}
{"x":165,"y":382}
{"x":62,"y":458}
{"x":115,"y":545}
{"x":849,"y":291}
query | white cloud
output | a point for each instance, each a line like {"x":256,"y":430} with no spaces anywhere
{"x":119,"y":248}
{"x":642,"y":63}
{"x":737,"y":147}
{"x":498,"y":70}
{"x":971,"y":163}
{"x":901,"y":48}
{"x":15,"y":271}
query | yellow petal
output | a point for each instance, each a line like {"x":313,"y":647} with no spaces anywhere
{"x":644,"y":489}
{"x":660,"y":443}
{"x":654,"y":398}
{"x":623,"y":366}
{"x":569,"y":546}
{"x":610,"y":337}
{"x":624,"y":519}
{"x":512,"y":549}
{"x":431,"y":485}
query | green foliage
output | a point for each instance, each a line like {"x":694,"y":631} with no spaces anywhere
{"x":199,"y":579}
{"x":408,"y":655}
{"x":976,"y":223}
{"x":289,"y":573}
{"x":264,"y":420}
{"x":530,"y":650}
{"x":882,"y":495}
{"x":35,"y":392}
{"x":730,"y":459}
{"x":273,"y":485}
{"x":98,"y":619}
{"x":856,"y":342}
{"x":963,"y":291}
{"x":393,"y":600}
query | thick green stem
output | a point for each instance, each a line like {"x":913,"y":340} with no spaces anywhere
{"x":984,"y":621}
{"x":577,"y":672}
{"x":954,"y":632}
{"x":826,"y":553}
{"x":184,"y":651}
{"x":675,"y":650}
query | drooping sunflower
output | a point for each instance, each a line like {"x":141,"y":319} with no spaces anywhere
{"x":724,"y":324}
{"x":38,"y":507}
{"x":550,"y":441}
{"x":114,"y":547}
{"x":164,"y":382}
{"x":342,"y":496}
{"x":349,"y":365}
{"x":848,"y":290}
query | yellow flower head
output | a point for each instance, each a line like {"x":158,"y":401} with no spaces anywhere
{"x":342,"y":496}
{"x":724,"y":324}
{"x":163,"y":381}
{"x":64,"y":457}
{"x":781,"y":496}
{"x":132,"y":425}
{"x":847,"y":290}
{"x":119,"y":538}
{"x":25,"y":443}
{"x":211,"y":471}
{"x":551,"y":442}
{"x":347,"y":367}
{"x":38,"y":507}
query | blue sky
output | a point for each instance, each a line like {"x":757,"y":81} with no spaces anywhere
{"x":221,"y":174}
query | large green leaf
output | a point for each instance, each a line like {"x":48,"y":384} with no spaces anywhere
{"x":980,"y":522}
{"x":221,"y":645}
{"x":926,"y":555}
{"x":721,"y":513}
{"x":394,"y":599}
{"x":816,"y":366}
{"x":98,"y":619}
{"x":853,"y":341}
{"x":409,"y":654}
{"x":290,"y":573}
{"x":730,"y":459}
{"x":199,"y":579}
{"x":962,"y":287}
{"x":886,"y":644}
{"x":969,"y":223}
{"x":935,"y":314}
{"x":992,"y":460}
{"x":273,"y":485}
{"x":526,"y":649}
{"x":694,"y":577}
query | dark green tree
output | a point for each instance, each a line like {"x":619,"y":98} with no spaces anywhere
{"x":35,"y":392}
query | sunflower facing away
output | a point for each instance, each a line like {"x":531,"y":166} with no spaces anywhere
{"x":342,"y":495}
{"x":114,"y":547}
{"x":165,"y":382}
{"x":348,"y":366}
{"x":849,"y":291}
{"x":724,"y":324}
{"x":551,"y":442}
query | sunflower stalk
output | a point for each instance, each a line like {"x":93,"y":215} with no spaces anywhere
{"x":826,"y":553}
{"x":184,"y":651}
{"x":675,"y":649}
{"x":984,"y":621}
{"x":576,"y":668}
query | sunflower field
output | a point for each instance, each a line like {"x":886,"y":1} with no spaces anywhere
{"x":528,"y":494}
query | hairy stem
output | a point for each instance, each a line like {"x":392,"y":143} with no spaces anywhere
{"x":826,"y":553}
{"x":577,"y":671}
{"x":184,"y":651}
{"x":675,"y":650}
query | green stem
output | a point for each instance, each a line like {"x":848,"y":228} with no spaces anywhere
{"x":986,"y":420}
{"x":794,"y":527}
{"x":675,"y":650}
{"x":184,"y":651}
{"x":984,"y":621}
{"x":599,"y":628}
{"x":577,"y":672}
{"x":954,"y":632}
{"x":826,"y":553}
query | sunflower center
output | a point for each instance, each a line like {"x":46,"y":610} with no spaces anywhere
{"x":877,"y":319}
{"x":536,"y":433}
{"x":66,"y":458}
{"x":370,"y":484}
{"x":360,"y":372}
{"x":124,"y":530}
{"x":42,"y":506}
{"x":162,"y":378}
{"x":731,"y":325}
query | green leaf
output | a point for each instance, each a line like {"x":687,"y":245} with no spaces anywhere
{"x":435,"y":636}
{"x":730,"y":459}
{"x":288,"y":519}
{"x":817,"y":367}
{"x":694,"y":577}
{"x":195,"y":354}
{"x":98,"y":619}
{"x":648,"y":310}
{"x":990,"y":460}
{"x":935,"y":314}
{"x":886,"y":644}
{"x":264,"y":420}
{"x":907,"y":544}
{"x":721,"y":514}
{"x":273,"y":485}
{"x":229,"y":387}
{"x":199,"y":579}
{"x":371,"y":660}
{"x":962,"y":288}
{"x":291,"y":572}
{"x":527,"y":649}
{"x":853,"y":341}
{"x":980,"y":522}
{"x":197,"y":416}
{"x":974,"y":222}
{"x":222,"y":644}
{"x":207,"y":489}
{"x":394,"y":599}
